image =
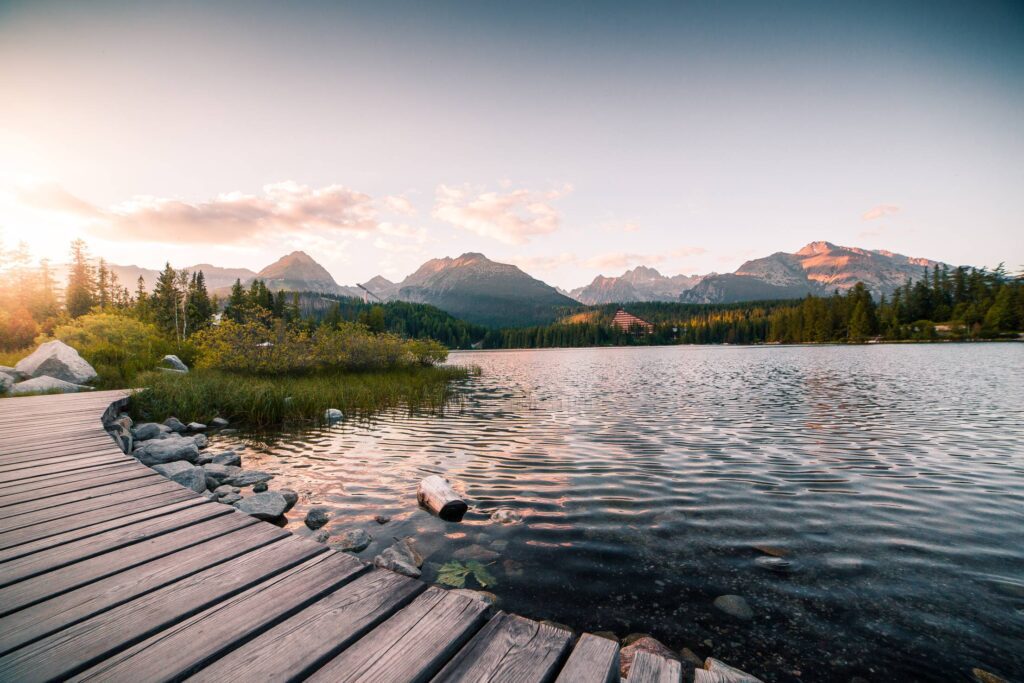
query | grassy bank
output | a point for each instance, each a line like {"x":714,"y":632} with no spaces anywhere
{"x":264,"y":401}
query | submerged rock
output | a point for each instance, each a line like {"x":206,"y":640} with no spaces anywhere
{"x":475,"y":552}
{"x":317,"y":517}
{"x":734,"y":605}
{"x":777,"y":565}
{"x":332,"y":415}
{"x":382,"y":519}
{"x":506,"y":516}
{"x":269,"y":505}
{"x":57,"y":360}
{"x":355,"y":541}
{"x":321,"y":536}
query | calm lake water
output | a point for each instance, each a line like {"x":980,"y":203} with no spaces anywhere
{"x":890,"y":480}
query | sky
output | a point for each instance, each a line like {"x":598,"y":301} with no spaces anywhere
{"x":571,"y":138}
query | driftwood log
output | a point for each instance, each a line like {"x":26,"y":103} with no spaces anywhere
{"x":438,"y":496}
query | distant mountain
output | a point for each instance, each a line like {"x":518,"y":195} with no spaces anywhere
{"x":382,"y":287}
{"x":128,"y":276}
{"x":478,"y":290}
{"x":639,"y":284}
{"x":298,"y":272}
{"x":217,"y":277}
{"x":818,"y":268}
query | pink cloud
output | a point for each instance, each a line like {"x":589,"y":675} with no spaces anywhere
{"x":227,"y":218}
{"x":880,"y":211}
{"x":513,"y":217}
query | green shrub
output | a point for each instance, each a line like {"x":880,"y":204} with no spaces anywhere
{"x":118,"y":347}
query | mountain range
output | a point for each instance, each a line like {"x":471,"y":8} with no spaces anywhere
{"x":482,"y":291}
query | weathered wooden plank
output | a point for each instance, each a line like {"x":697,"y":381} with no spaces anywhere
{"x":75,"y":495}
{"x":81,"y":506}
{"x":47,"y":456}
{"x":48,"y":617}
{"x":32,"y":478}
{"x":48,"y":560}
{"x":716,"y":671}
{"x":102,"y":479}
{"x":188,"y":645}
{"x":510,"y":648}
{"x":42,"y":442}
{"x":72,"y":466}
{"x":412,"y":645}
{"x":593,"y":660}
{"x":46,"y":430}
{"x":52,"y":583}
{"x":299,"y":645}
{"x":89,"y":642}
{"x":651,"y":668}
{"x":43,"y":536}
{"x":91,"y":522}
{"x":47,"y":481}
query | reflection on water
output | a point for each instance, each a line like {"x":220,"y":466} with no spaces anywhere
{"x":868,"y":502}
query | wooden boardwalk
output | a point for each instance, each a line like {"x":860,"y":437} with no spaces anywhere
{"x":110,"y":572}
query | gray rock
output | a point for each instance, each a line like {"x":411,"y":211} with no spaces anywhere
{"x":230,"y":498}
{"x":219,"y":422}
{"x":48,"y":385}
{"x":166,"y":450}
{"x":260,"y":487}
{"x":333,"y":415}
{"x":174,"y":424}
{"x":225,"y":458}
{"x":58,"y":360}
{"x":224,"y":490}
{"x":149,"y":430}
{"x":317,"y":517}
{"x":291,"y":497}
{"x":734,"y":605}
{"x":401,"y":557}
{"x":355,"y":541}
{"x":209,"y":495}
{"x":218,"y":474}
{"x":14,"y":374}
{"x":247,"y":477}
{"x":201,"y":441}
{"x":269,"y":505}
{"x":321,"y":536}
{"x":121,"y":429}
{"x":185,"y":474}
{"x":6,"y":382}
{"x":172,"y":362}
{"x":382,"y":519}
{"x":195,"y":427}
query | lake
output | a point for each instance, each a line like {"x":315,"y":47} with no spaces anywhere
{"x":866,"y":501}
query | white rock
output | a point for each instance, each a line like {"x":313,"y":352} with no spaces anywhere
{"x":196,"y":427}
{"x":42,"y":384}
{"x":332,"y":415}
{"x":172,"y":362}
{"x":57,"y":359}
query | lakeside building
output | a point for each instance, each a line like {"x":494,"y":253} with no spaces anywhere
{"x":627,"y":322}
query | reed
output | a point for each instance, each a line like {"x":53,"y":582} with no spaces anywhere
{"x":270,"y":401}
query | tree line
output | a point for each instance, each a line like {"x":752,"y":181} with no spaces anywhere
{"x":960,"y":303}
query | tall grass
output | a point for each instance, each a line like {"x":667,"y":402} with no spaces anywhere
{"x":262,"y":401}
{"x":11,"y":358}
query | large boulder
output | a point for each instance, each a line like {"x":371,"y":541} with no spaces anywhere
{"x":6,"y":382}
{"x":172,"y":362}
{"x":13,"y":373}
{"x":160,"y":451}
{"x":47,"y":385}
{"x":57,"y":359}
{"x":269,"y":505}
{"x":185,"y":474}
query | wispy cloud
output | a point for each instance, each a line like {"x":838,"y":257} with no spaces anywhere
{"x":880,"y":211}
{"x":227,"y":218}
{"x":512,"y":217}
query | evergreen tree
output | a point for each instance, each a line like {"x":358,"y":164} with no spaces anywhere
{"x":165,"y":302}
{"x":81,"y":291}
